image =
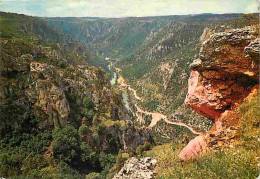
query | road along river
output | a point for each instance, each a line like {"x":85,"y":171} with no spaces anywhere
{"x":121,"y":82}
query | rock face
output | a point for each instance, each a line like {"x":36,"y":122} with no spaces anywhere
{"x":224,"y":75}
{"x":206,"y":34}
{"x":132,"y":137}
{"x":54,"y":90}
{"x":225,"y":72}
{"x":127,"y":136}
{"x":196,"y":147}
{"x":137,"y":169}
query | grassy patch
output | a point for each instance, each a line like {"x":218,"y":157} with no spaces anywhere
{"x":240,"y":162}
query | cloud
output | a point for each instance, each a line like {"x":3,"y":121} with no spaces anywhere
{"x":253,"y":7}
{"x":76,"y":3}
{"x":122,"y":8}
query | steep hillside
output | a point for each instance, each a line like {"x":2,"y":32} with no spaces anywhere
{"x":154,"y":53}
{"x":224,"y":87}
{"x":119,"y":37}
{"x":114,"y":38}
{"x":223,"y":76}
{"x":159,"y":70}
{"x":60,"y":117}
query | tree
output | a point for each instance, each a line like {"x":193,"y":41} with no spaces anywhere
{"x":87,"y":154}
{"x":66,"y":144}
{"x":87,"y":102}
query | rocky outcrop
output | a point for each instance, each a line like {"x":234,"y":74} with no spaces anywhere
{"x":137,"y":169}
{"x":224,"y":75}
{"x":206,"y":34}
{"x":225,"y":72}
{"x":166,"y":71}
{"x":196,"y":147}
{"x":55,"y":88}
{"x":122,"y":134}
{"x":46,"y":95}
{"x":132,"y":137}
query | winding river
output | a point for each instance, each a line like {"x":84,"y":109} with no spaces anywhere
{"x":121,"y":82}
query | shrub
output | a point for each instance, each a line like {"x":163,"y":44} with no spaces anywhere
{"x":33,"y":162}
{"x":66,"y":144}
{"x":93,"y":175}
{"x":87,"y":102}
{"x":83,"y":130}
{"x":10,"y":164}
{"x":70,"y":68}
{"x":87,"y":154}
{"x":106,"y":160}
{"x":119,"y":161}
{"x":65,"y":171}
{"x":146,"y":146}
{"x":84,"y":121}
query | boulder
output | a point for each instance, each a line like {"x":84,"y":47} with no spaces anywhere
{"x":137,"y":169}
{"x":195,"y":147}
{"x":226,"y":72}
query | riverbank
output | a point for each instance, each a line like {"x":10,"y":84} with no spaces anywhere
{"x":121,"y":82}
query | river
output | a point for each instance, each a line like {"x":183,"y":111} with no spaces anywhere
{"x":156,"y":116}
{"x":114,"y":78}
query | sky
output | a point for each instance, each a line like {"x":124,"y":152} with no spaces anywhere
{"x":126,"y":8}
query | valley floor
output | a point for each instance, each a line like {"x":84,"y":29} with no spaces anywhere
{"x":155,"y":115}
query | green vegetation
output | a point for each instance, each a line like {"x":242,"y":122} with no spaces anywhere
{"x":250,"y":125}
{"x":93,"y":175}
{"x":225,"y":164}
{"x":119,"y":160}
{"x":66,"y":144}
{"x":143,"y":148}
{"x":152,"y":105}
{"x":141,"y":45}
{"x":30,"y":145}
{"x":239,"y":162}
{"x":34,"y":143}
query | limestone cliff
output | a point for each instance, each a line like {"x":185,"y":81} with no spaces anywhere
{"x":48,"y":86}
{"x":225,"y":73}
{"x":54,"y":88}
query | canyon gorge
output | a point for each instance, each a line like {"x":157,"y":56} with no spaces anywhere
{"x":136,"y":97}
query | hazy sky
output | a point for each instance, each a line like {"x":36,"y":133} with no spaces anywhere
{"x":123,"y":8}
